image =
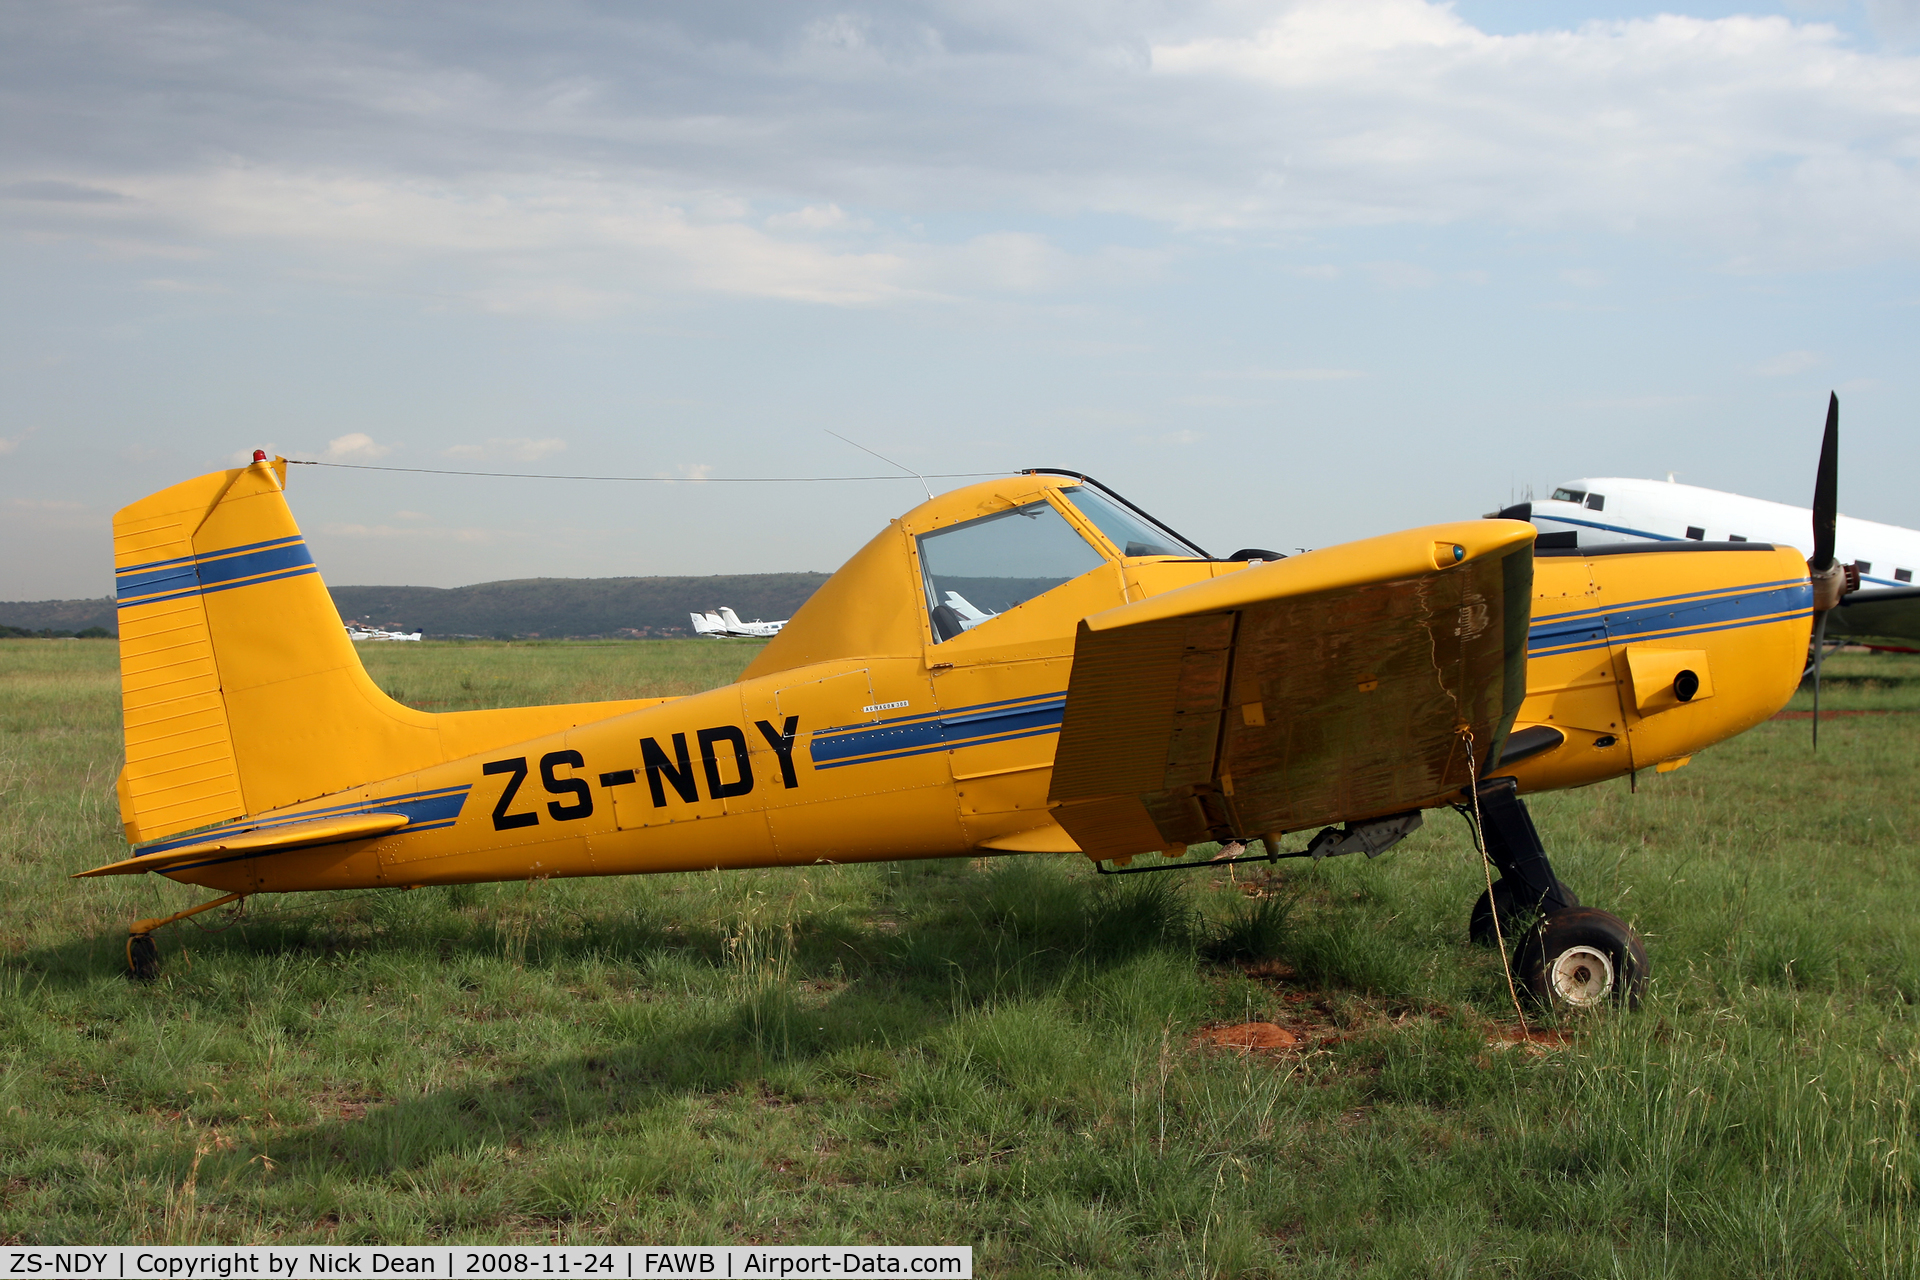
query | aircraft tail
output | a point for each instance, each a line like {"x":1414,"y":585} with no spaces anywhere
{"x":241,"y":689}
{"x":732,"y":619}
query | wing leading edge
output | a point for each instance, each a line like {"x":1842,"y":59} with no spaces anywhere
{"x":1338,"y":685}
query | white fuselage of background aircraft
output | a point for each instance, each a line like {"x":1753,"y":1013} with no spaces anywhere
{"x":1608,"y":509}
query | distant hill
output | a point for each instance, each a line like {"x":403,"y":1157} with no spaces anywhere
{"x":522,"y":607}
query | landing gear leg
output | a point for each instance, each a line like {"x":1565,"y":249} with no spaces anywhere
{"x":1567,"y":955}
{"x":143,"y":953}
{"x":1527,"y":885}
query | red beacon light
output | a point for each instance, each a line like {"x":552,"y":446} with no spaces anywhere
{"x":259,"y":455}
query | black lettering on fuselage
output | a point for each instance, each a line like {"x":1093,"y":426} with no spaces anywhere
{"x":782,"y":744}
{"x":742,"y":765}
{"x":715,"y":744}
{"x":502,"y":820}
{"x":582,"y":807}
{"x":678,"y":772}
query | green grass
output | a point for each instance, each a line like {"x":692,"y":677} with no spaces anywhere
{"x":988,"y":1052}
{"x":463,"y":675}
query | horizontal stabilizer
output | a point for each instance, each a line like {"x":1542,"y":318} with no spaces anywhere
{"x":299,"y":835}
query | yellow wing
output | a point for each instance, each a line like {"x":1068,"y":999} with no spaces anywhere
{"x":1338,"y":685}
{"x":1887,"y":611}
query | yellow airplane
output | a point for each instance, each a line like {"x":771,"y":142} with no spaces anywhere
{"x":1024,"y":665}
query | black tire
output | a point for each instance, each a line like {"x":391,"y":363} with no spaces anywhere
{"x":143,"y":958}
{"x":1580,"y":959}
{"x":1513,"y":917}
{"x":1480,"y":929}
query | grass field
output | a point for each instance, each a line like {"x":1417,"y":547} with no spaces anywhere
{"x":993,"y":1053}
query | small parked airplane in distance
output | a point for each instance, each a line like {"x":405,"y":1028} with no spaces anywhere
{"x":358,"y":631}
{"x":1029,"y":664}
{"x":725,"y":624}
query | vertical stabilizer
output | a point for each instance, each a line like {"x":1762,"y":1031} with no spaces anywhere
{"x":241,"y":689}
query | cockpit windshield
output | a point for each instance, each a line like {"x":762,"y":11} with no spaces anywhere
{"x":1134,"y":535}
{"x":983,"y":567}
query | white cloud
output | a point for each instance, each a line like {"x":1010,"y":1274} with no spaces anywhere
{"x":817,"y":217}
{"x":413,"y":532}
{"x":688,"y":149}
{"x":1788,"y":363}
{"x":1402,"y":275}
{"x":8,"y":444}
{"x":165,"y":285}
{"x":1756,"y":130}
{"x":515,"y":449}
{"x":1287,"y":375}
{"x":1897,"y":21}
{"x":355,"y":446}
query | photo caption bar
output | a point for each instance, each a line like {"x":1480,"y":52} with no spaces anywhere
{"x":461,"y":1262}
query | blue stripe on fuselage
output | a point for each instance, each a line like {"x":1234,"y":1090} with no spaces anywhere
{"x":1670,"y":617}
{"x":918,"y":735}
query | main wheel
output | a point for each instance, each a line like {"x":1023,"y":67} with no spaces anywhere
{"x":1480,"y":919}
{"x":143,"y":958}
{"x":1581,"y":958}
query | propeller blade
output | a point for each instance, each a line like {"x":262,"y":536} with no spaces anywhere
{"x":1819,"y":651}
{"x":1826,"y":489}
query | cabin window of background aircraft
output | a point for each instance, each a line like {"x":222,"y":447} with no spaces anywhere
{"x":1903,"y":575}
{"x":1696,"y":533}
{"x":1594,"y":501}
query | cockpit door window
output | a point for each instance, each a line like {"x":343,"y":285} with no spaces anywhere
{"x":1125,"y":530}
{"x":976,"y":570}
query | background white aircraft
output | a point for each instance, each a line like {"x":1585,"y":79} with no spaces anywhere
{"x":1602,"y":513}
{"x":355,"y":632}
{"x":1604,"y":510}
{"x":725,"y":624}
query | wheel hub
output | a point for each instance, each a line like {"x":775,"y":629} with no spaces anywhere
{"x":1582,"y":976}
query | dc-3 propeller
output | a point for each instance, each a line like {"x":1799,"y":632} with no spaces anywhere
{"x":1831,"y":580}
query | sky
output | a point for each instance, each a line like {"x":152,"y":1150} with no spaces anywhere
{"x":1283,"y":272}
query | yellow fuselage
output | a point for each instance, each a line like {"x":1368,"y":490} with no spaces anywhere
{"x":857,"y":735}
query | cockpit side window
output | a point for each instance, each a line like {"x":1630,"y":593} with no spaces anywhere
{"x":1569,"y":495}
{"x":1125,"y":530}
{"x":984,"y":567}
